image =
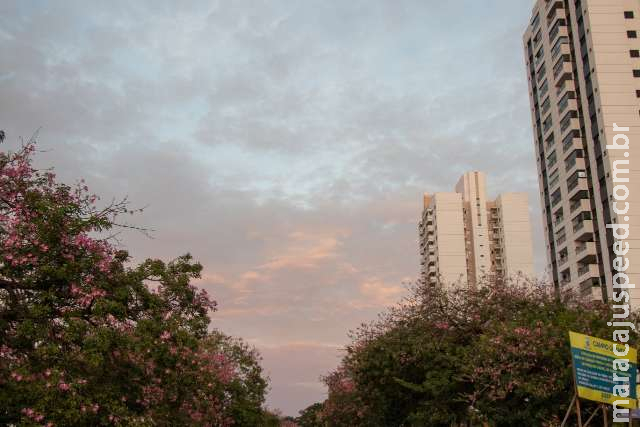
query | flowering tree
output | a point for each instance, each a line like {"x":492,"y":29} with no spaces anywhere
{"x":86,"y":339}
{"x":498,"y":355}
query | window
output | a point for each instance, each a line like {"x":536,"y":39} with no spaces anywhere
{"x":628,"y":14}
{"x":536,"y":20}
{"x":636,"y":73}
{"x":637,"y":93}
{"x":635,"y":53}
{"x":632,"y":34}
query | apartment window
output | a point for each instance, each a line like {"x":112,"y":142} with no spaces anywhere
{"x":628,"y":14}
{"x":546,"y":125}
{"x":551,"y":159}
{"x":556,"y":197}
{"x":558,"y":46}
{"x":536,"y":20}
{"x":632,"y":34}
{"x":537,"y":38}
{"x":556,"y":29}
{"x":546,"y":105}
{"x":634,"y":53}
{"x":636,"y":73}
{"x":566,"y":120}
{"x":544,"y":88}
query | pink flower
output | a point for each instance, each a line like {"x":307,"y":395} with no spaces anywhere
{"x":442,"y":325}
{"x":63,"y":387}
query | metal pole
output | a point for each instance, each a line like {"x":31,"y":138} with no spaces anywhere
{"x":566,"y":416}
{"x":592,"y":416}
{"x":578,"y":412}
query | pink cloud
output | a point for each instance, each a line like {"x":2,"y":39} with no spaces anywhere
{"x":305,"y":250}
{"x":376,"y":293}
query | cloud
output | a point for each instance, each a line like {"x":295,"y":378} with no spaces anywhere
{"x":305,"y":251}
{"x":286,"y":145}
{"x":380,"y":294}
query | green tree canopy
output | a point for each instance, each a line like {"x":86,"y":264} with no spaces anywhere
{"x":87,"y":338}
{"x":498,"y":355}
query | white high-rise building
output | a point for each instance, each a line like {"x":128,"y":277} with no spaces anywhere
{"x":466,"y":239}
{"x":583,"y":67}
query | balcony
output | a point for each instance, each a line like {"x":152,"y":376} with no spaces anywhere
{"x":559,"y":29}
{"x":544,"y":88}
{"x":573,"y":164}
{"x":572,"y":144}
{"x":555,"y":199}
{"x":562,"y":72}
{"x":565,"y":277}
{"x":560,"y":48}
{"x":569,"y":85}
{"x":567,"y":103}
{"x":541,"y":73}
{"x":578,"y":189}
{"x":572,"y":124}
{"x":586,"y":252}
{"x":580,"y":205}
{"x":560,"y":240}
{"x":583,"y":230}
{"x":556,"y":15}
{"x":587,"y":272}
{"x":551,"y":6}
{"x":590,"y":289}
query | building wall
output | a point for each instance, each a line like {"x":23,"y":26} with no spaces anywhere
{"x":582,"y":55}
{"x":450,"y":242}
{"x":617,"y":102}
{"x":472,"y":186}
{"x":457,"y":230}
{"x":515,"y":234}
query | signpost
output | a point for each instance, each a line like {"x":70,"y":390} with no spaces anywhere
{"x":593,"y":373}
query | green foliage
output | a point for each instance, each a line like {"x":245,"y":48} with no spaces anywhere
{"x":87,"y":338}
{"x":499,"y":355}
{"x":311,"y":416}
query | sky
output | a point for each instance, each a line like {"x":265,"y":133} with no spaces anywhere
{"x":285,"y":144}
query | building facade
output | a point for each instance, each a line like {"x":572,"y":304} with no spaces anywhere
{"x":583,"y":67}
{"x":466,"y":239}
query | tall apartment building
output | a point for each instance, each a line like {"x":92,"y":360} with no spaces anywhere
{"x":465,"y":238}
{"x":583,"y":61}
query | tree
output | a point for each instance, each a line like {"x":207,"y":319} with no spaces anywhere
{"x":88,"y":339}
{"x":311,"y":416}
{"x":497,"y":355}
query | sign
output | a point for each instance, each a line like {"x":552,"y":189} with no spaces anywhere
{"x":593,"y":369}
